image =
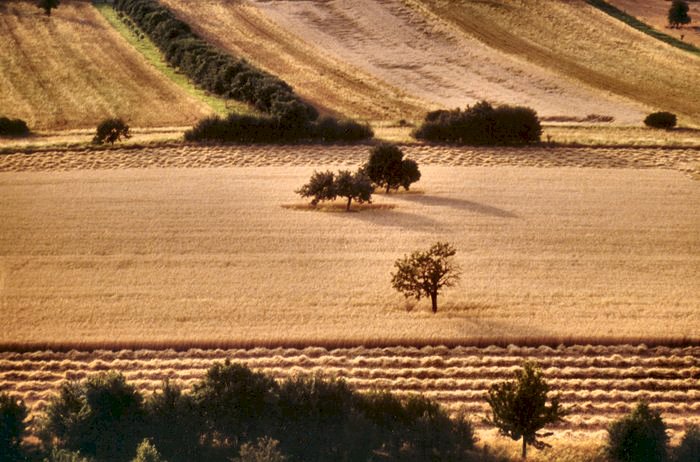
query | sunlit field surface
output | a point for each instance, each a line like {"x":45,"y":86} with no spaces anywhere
{"x":197,"y":255}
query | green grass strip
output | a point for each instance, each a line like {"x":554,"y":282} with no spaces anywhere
{"x":148,"y":49}
{"x":643,"y":27}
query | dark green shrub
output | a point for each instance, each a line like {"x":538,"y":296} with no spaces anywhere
{"x":111,"y":131}
{"x":61,"y":455}
{"x":101,"y":417}
{"x":678,"y":13}
{"x":48,"y":5}
{"x":388,"y":169}
{"x":326,"y":409}
{"x":329,"y":129}
{"x":236,"y":405}
{"x":689,"y":449}
{"x":173,"y":424}
{"x":12,"y":428}
{"x":638,"y":437}
{"x":264,"y":450}
{"x":147,"y":452}
{"x":321,"y":187}
{"x":13,"y":127}
{"x":662,"y":119}
{"x":482,"y":124}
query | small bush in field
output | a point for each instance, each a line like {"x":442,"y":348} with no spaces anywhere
{"x":13,"y":127}
{"x":661,"y":120}
{"x":640,"y":436}
{"x":111,"y":131}
{"x":327,"y":186}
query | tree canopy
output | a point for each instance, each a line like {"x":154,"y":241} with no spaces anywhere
{"x":425,"y":273}
{"x":519,"y":407}
{"x":678,"y":13}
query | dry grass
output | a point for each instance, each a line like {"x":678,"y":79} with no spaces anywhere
{"x":210,"y":255}
{"x":412,"y":49}
{"x":73,"y":69}
{"x":582,"y":43}
{"x":596,"y":135}
{"x":655,"y":13}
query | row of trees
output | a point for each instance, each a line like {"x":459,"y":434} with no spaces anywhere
{"x":233,"y":410}
{"x":234,"y":414}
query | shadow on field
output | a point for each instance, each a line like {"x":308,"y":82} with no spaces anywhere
{"x":396,"y":219}
{"x":460,"y":204}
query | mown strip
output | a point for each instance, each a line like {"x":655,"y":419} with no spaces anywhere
{"x":643,"y":27}
{"x":150,"y":51}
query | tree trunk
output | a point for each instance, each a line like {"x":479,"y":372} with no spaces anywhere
{"x":433,"y":299}
{"x":387,"y":188}
{"x":524,"y":448}
{"x":347,"y":209}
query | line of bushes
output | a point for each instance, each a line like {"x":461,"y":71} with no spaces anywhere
{"x":104,"y":418}
{"x":289,"y":118}
{"x":482,"y":124}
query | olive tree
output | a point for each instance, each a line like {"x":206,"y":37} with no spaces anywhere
{"x":425,"y":273}
{"x":519,"y":407}
{"x":327,"y":186}
{"x":388,"y":169}
{"x":48,"y":5}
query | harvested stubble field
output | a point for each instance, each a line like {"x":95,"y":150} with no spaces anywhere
{"x":598,"y":383}
{"x":73,"y":69}
{"x":211,"y":254}
{"x":655,"y":13}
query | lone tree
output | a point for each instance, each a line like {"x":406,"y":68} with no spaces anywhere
{"x":639,"y":436}
{"x":327,"y":186}
{"x":388,"y":169}
{"x":110,"y":131}
{"x":48,"y":5}
{"x":678,"y":14}
{"x":519,"y":408}
{"x":423,"y":274}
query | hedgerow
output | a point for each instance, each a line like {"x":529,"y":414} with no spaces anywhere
{"x":289,"y":118}
{"x":13,"y":127}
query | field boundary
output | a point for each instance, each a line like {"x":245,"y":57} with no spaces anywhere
{"x":641,"y":26}
{"x":553,"y":342}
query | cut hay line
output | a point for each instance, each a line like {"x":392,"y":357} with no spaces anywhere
{"x":337,"y":207}
{"x":36,"y":376}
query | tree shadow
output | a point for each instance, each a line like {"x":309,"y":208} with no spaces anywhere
{"x":459,"y":204}
{"x":394,"y":219}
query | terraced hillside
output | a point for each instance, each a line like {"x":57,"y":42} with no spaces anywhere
{"x":73,"y":69}
{"x":597,"y":383}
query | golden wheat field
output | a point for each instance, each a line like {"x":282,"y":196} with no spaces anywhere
{"x":217,"y":254}
{"x":72,"y":70}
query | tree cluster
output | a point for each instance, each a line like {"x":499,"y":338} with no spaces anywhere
{"x":13,"y":127}
{"x":328,"y":186}
{"x":48,"y":5}
{"x":236,"y":413}
{"x":482,"y":124}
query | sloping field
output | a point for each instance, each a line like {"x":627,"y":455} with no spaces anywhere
{"x":655,"y":13}
{"x":404,"y":46}
{"x":211,"y":255}
{"x":333,"y":86}
{"x":597,"y":383}
{"x":72,"y":70}
{"x":577,"y":40}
